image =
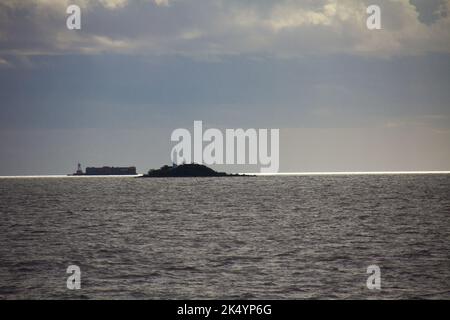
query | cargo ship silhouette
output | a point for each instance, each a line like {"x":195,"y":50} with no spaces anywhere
{"x":105,"y":171}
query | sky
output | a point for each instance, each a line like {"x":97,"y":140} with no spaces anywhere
{"x":345,"y":98}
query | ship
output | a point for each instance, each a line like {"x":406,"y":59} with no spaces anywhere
{"x":106,"y":171}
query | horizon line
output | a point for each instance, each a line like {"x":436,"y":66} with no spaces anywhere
{"x":329,"y":173}
{"x":316,"y":173}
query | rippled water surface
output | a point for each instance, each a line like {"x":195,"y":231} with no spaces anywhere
{"x":254,"y":237}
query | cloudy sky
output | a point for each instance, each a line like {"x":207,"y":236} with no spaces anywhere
{"x":344,"y":97}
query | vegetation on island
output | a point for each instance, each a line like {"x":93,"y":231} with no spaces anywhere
{"x":185,"y":170}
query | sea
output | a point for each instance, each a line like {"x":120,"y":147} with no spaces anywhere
{"x":263,"y":237}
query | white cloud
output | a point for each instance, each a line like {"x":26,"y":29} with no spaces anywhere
{"x":162,"y":2}
{"x":285,"y":16}
{"x":113,"y":4}
{"x":4,"y":63}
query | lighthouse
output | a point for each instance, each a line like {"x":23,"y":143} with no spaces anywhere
{"x":79,"y":171}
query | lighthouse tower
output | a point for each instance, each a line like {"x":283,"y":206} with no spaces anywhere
{"x":79,"y":171}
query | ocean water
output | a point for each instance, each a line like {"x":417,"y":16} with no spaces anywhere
{"x":304,"y":237}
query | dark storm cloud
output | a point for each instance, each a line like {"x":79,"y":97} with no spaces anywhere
{"x":218,"y":27}
{"x":87,"y":91}
{"x":431,"y":11}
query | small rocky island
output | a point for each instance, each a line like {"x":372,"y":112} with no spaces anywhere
{"x":186,"y":170}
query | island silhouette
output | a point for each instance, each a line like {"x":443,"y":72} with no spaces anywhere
{"x":186,"y":170}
